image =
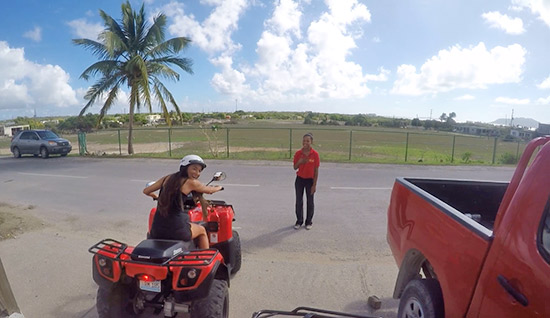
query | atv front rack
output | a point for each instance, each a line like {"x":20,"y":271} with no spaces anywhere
{"x":117,"y":251}
{"x":306,"y":312}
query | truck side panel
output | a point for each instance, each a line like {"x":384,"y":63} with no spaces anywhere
{"x":418,"y":220}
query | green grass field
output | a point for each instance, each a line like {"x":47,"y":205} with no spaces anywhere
{"x":268,"y":141}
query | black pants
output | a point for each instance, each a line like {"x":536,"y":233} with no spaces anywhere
{"x":300,"y":184}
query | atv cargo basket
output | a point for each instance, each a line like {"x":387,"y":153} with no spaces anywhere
{"x":306,"y":312}
{"x":120,"y":252}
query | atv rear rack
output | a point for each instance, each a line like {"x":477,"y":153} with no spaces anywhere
{"x":307,"y":312}
{"x":116,"y":251}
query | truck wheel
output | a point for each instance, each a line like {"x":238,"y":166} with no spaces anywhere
{"x":215,"y":305}
{"x":114,"y":302}
{"x":44,"y":153}
{"x":421,"y":298}
{"x":236,"y":250}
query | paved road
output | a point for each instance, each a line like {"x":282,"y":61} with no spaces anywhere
{"x":337,"y":265}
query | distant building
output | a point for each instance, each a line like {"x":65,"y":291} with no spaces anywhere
{"x":522,"y":134}
{"x":476,"y":130}
{"x":10,"y":131}
{"x":544,"y":129}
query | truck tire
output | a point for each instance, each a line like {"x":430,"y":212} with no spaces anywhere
{"x":237,"y":254}
{"x":421,"y":298}
{"x":114,"y":302}
{"x":215,"y":305}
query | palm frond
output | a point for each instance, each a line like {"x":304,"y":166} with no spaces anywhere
{"x":173,"y":46}
{"x":113,"y":36}
{"x":106,"y":68}
{"x":97,"y":48}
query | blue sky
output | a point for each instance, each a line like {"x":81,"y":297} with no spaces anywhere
{"x":417,"y":58}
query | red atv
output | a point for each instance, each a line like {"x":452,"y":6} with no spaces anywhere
{"x":170,"y":276}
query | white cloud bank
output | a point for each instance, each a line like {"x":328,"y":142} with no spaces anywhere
{"x":25,"y":84}
{"x":295,"y":61}
{"x":501,"y":21}
{"x":512,"y":101}
{"x":83,"y":29}
{"x":540,"y":8}
{"x":544,"y":84}
{"x":471,"y":68}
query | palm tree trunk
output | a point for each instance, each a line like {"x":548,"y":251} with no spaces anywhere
{"x":130,"y":130}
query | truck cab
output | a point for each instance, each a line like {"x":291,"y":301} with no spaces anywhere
{"x":474,"y":248}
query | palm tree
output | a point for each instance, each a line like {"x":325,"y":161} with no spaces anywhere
{"x":133,"y":53}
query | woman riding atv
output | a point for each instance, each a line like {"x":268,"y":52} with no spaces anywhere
{"x":171,"y":222}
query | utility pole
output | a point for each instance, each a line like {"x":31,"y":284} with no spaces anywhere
{"x":235,"y":105}
{"x":512,"y":119}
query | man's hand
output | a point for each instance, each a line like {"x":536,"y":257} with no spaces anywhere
{"x":313,"y":189}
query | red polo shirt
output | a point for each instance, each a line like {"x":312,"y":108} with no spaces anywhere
{"x":307,"y":170}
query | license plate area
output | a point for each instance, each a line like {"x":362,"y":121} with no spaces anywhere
{"x":153,"y":286}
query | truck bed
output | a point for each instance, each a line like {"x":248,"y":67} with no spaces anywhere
{"x":480,"y":199}
{"x":428,"y":217}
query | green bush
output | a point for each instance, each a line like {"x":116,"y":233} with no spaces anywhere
{"x":507,"y":159}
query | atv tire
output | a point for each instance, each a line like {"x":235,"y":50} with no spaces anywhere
{"x":237,"y":255}
{"x":114,"y":302}
{"x":215,"y":305}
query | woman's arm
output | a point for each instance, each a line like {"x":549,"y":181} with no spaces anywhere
{"x":150,"y":190}
{"x":196,"y":185}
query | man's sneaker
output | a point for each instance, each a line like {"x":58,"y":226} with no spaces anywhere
{"x":297,"y":226}
{"x":308,"y":227}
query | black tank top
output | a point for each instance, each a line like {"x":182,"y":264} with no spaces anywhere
{"x":175,"y":225}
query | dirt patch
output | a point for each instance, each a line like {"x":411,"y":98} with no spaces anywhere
{"x":15,"y":221}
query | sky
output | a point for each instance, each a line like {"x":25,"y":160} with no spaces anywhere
{"x":482,"y":60}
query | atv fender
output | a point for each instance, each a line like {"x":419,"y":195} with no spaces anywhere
{"x":99,"y":279}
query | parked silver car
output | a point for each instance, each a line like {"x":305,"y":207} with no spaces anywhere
{"x":39,"y":142}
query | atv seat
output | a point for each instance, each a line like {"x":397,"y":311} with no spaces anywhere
{"x":159,"y":251}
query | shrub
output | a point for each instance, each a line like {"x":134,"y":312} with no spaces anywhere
{"x":508,"y":159}
{"x":466,"y":157}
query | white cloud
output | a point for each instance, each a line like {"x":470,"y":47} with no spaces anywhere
{"x":512,"y":101}
{"x":295,"y":62}
{"x":26,"y":84}
{"x":293,"y":69}
{"x":230,"y":81}
{"x":543,"y":101}
{"x":472,"y":68}
{"x":541,"y":8}
{"x":544,"y":84}
{"x":501,"y":21}
{"x":34,"y":34}
{"x":466,"y":97}
{"x":84,"y":29}
{"x":286,"y":18}
{"x":213,"y":35}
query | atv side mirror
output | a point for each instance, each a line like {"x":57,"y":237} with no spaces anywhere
{"x":219,"y":176}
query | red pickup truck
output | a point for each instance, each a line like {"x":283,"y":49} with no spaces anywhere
{"x":474,"y":248}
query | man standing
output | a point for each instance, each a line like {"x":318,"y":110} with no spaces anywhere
{"x":306,"y":161}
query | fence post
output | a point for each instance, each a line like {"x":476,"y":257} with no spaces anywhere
{"x":350,"y":143}
{"x":227,"y":141}
{"x":119,"y":144}
{"x":453,"y":152}
{"x":494,"y":150}
{"x":170,"y":141}
{"x":407,"y":147}
{"x":290,"y":143}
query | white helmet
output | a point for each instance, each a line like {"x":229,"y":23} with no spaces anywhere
{"x":191,"y":159}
